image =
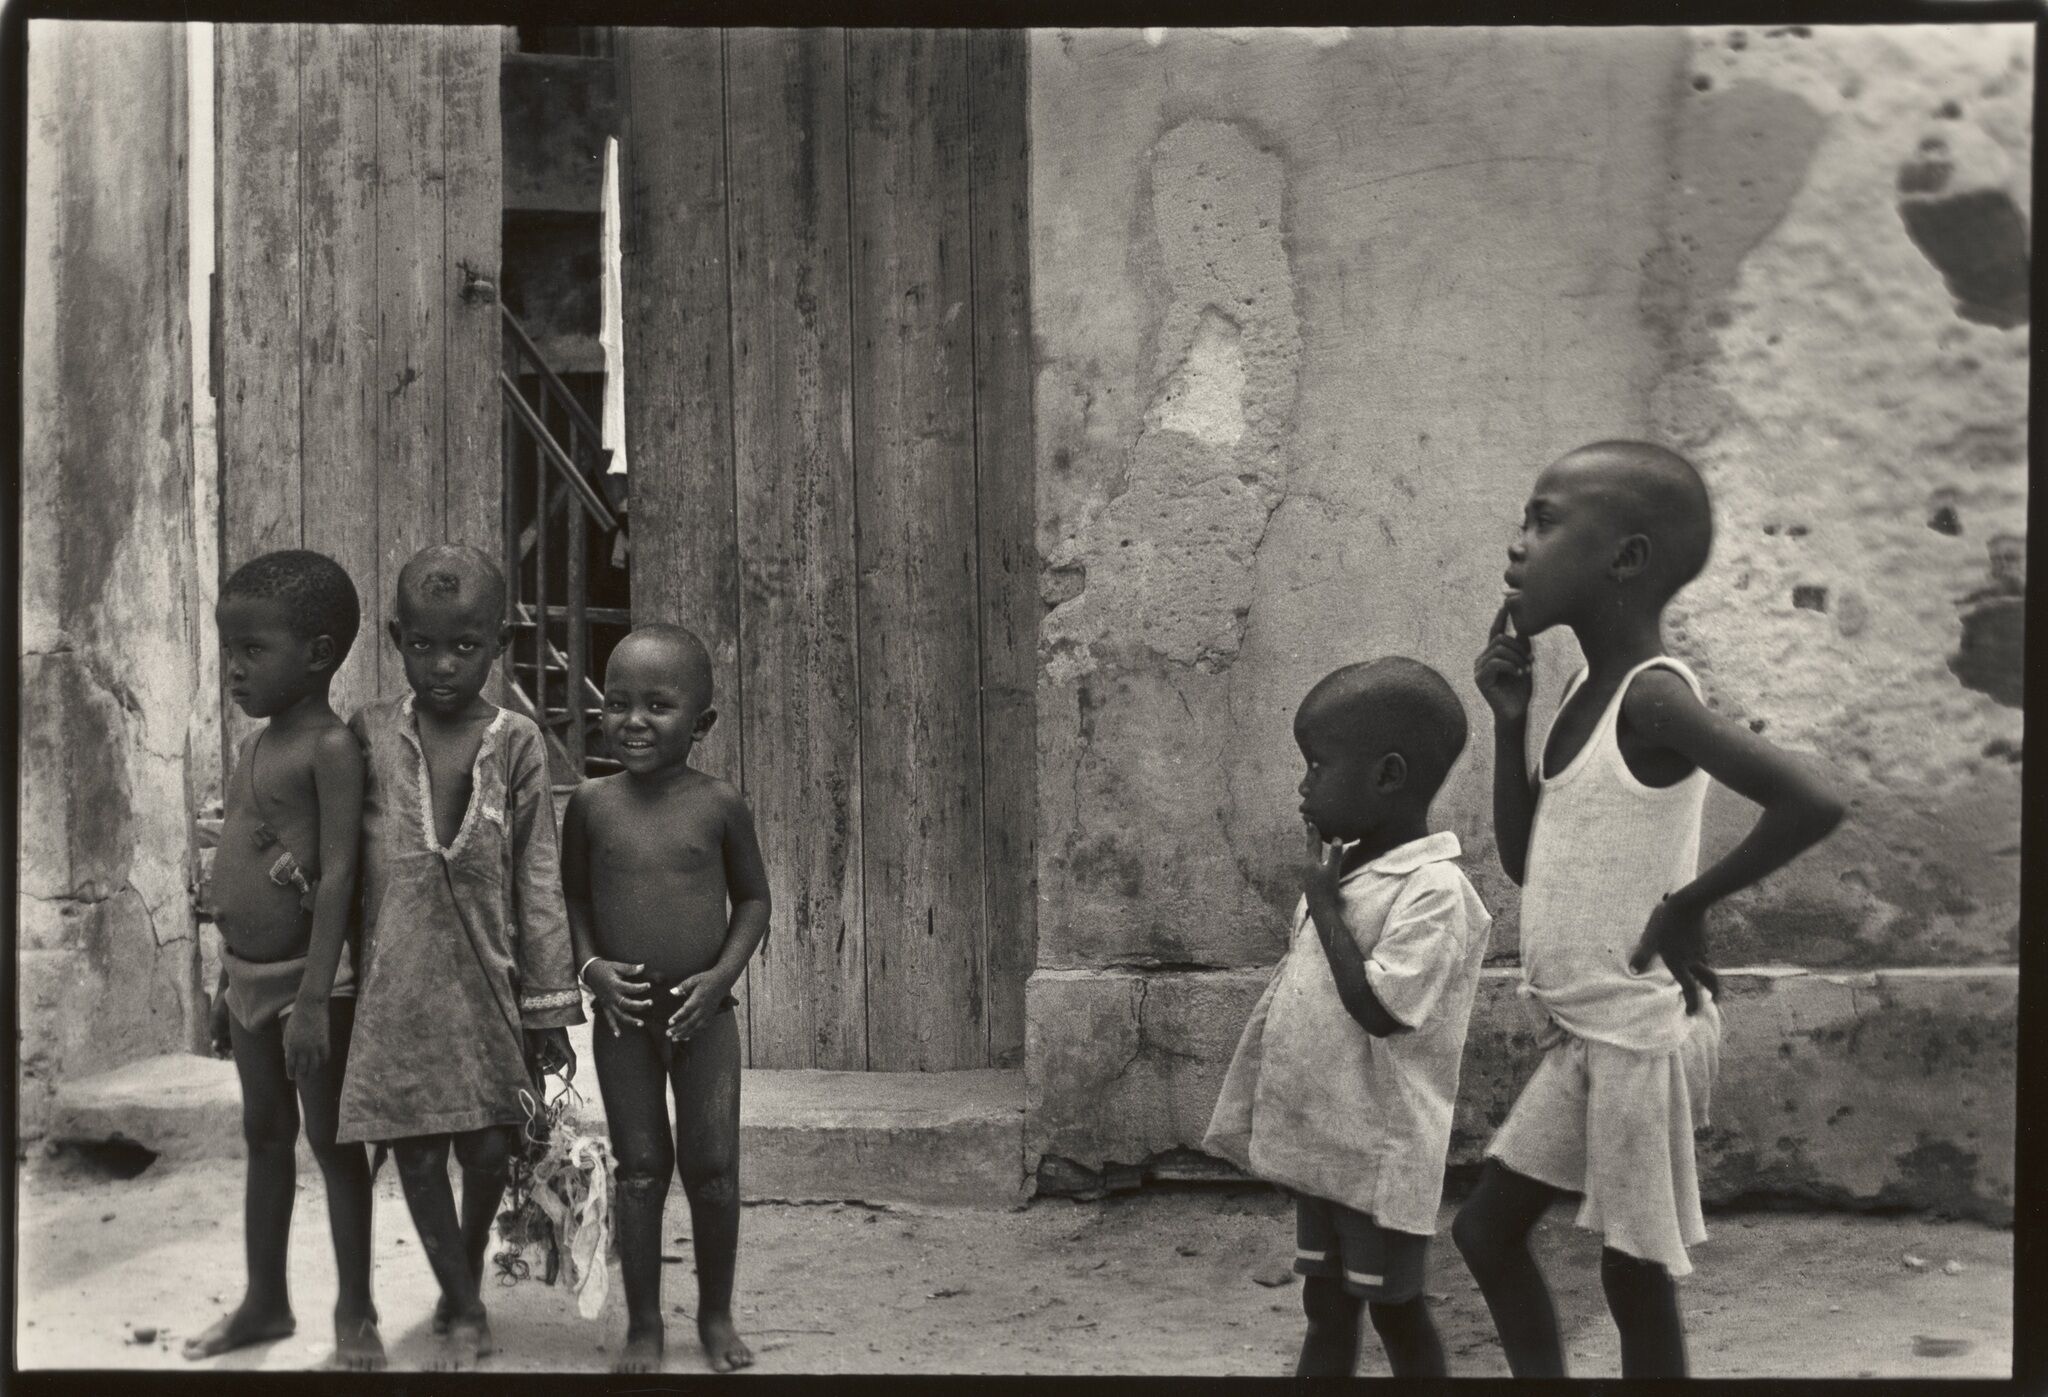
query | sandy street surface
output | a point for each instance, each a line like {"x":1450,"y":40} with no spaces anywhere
{"x":1165,"y":1282}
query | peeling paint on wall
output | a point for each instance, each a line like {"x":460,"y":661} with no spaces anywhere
{"x":1859,"y":421}
{"x":1977,"y":238}
{"x":1234,"y":499}
{"x":1993,"y":655}
{"x":111,"y":606}
{"x":1167,"y":557}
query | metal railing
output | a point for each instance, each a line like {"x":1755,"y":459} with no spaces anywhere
{"x":565,"y":476}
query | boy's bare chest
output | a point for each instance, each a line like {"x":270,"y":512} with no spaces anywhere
{"x":279,"y":778}
{"x":676,"y":838}
{"x":272,"y":799}
{"x":451,"y":777}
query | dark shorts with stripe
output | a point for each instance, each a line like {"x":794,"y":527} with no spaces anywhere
{"x":1343,"y":1244}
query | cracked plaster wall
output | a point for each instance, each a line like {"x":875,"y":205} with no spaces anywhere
{"x":1311,"y":312}
{"x":1311,"y":309}
{"x":111,"y":614}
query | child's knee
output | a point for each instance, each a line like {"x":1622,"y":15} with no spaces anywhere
{"x":1396,"y":1319}
{"x":1327,"y":1304}
{"x":708,"y":1160}
{"x":644,"y":1156}
{"x":640,"y":1187}
{"x":1471,"y":1235}
{"x":269,"y":1127}
{"x":1620,"y":1272}
{"x":712,"y":1184}
{"x":486,"y":1151}
{"x":420,"y":1163}
{"x":337,"y":1161}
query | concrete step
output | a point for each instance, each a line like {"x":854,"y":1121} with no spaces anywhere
{"x":947,"y":1138}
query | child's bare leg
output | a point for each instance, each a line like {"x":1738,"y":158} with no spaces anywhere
{"x":1492,"y":1233}
{"x":706,"y":1077}
{"x":1330,"y":1348}
{"x":423,"y":1171}
{"x":634,"y":1083}
{"x":346,"y":1169}
{"x":486,"y":1159}
{"x":1409,"y":1337}
{"x":1644,"y":1302}
{"x":270,"y":1132}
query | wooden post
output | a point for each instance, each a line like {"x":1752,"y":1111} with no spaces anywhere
{"x":474,"y":338}
{"x":1006,"y":509}
{"x":792,"y":362}
{"x":914,"y":466}
{"x":410,"y":385}
{"x":256,"y":228}
{"x":678,"y":357}
{"x":337,"y":341}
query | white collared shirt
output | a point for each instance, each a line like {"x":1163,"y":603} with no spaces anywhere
{"x":1318,"y":1105}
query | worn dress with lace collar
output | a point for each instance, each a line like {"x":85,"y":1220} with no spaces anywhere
{"x":464,"y":947}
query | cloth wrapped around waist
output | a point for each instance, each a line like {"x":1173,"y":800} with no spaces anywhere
{"x":260,"y":992}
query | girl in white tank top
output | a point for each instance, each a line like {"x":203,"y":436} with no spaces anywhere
{"x":1604,"y":850}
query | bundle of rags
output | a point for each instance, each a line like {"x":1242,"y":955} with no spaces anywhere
{"x":558,"y":1217}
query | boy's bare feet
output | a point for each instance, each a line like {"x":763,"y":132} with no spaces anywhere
{"x":251,"y":1323}
{"x":643,"y":1349}
{"x":722,"y":1343}
{"x":358,"y":1347}
{"x":444,"y":1314}
{"x":467,"y":1342}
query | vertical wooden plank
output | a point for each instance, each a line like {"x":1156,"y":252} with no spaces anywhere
{"x":474,"y":341}
{"x":1007,"y":525}
{"x":793,"y":460}
{"x":677,"y":322}
{"x":257,"y":258}
{"x":678,"y":361}
{"x":914,"y":467}
{"x":411,"y":383}
{"x":338,"y":341}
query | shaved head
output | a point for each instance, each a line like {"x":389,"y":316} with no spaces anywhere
{"x":452,"y":575}
{"x":1650,"y":490}
{"x":1395,"y":705}
{"x":675,"y":646}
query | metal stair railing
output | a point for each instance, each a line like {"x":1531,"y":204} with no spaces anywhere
{"x":564,"y":477}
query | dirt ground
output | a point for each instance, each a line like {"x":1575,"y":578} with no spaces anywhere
{"x":1171,"y":1281}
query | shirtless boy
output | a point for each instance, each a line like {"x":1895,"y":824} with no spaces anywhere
{"x":668,"y":900}
{"x":282,"y":883}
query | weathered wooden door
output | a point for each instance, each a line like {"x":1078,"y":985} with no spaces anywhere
{"x":829,"y":419}
{"x":358,"y":172}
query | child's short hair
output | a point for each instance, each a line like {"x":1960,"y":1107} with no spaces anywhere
{"x":1403,"y":706}
{"x":689,"y":649}
{"x":1662,"y":495}
{"x":318,"y":595}
{"x":453,"y":572}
